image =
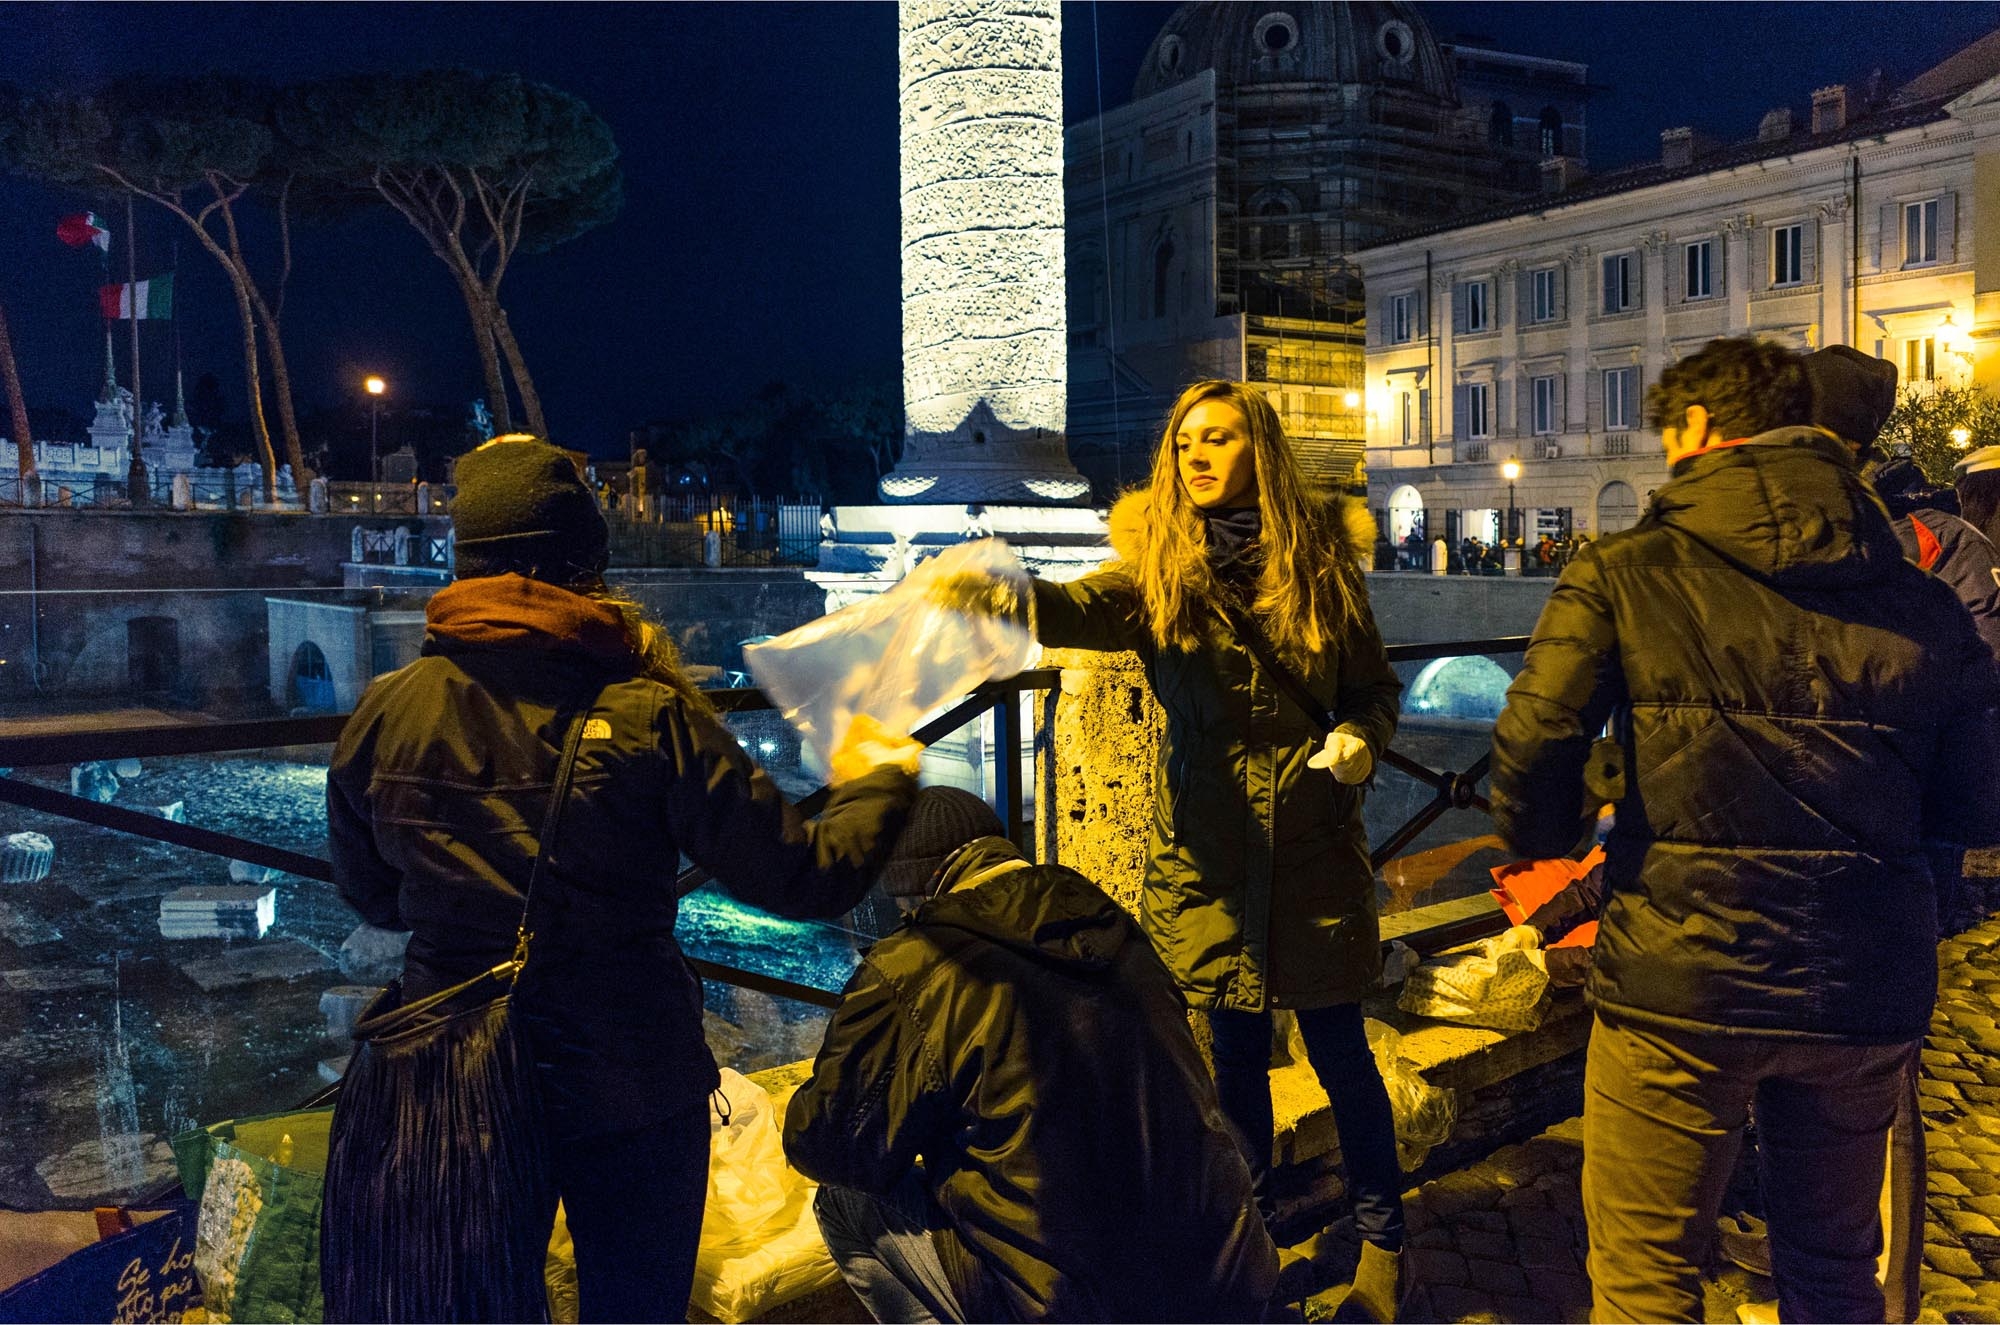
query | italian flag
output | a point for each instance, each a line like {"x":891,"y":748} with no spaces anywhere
{"x":142,"y":299}
{"x":83,"y":228}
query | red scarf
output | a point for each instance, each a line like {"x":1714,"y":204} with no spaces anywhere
{"x":513,"y":611}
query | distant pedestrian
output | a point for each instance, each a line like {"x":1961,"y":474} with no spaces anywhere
{"x":1793,"y":704}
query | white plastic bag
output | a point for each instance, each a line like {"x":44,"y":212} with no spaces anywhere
{"x":1425,"y":1114}
{"x":1502,"y":991}
{"x":760,"y":1244}
{"x":958,"y":620}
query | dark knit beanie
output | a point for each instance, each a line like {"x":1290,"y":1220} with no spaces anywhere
{"x":1853,"y":393}
{"x":942,"y":820}
{"x":523,"y":507}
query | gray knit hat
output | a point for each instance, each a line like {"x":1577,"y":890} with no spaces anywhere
{"x":942,"y":820}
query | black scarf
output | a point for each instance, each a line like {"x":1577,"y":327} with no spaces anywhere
{"x":1235,"y":548}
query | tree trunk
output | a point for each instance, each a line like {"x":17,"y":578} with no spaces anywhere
{"x":531,"y":403}
{"x":253,"y":381}
{"x":17,"y":410}
{"x":476,"y":309}
{"x":281,"y":386}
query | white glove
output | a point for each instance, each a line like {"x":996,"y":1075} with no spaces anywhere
{"x":1347,"y":755}
{"x":1519,"y":938}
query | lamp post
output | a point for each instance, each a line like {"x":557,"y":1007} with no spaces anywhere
{"x":1511,"y":470}
{"x":375,"y":386}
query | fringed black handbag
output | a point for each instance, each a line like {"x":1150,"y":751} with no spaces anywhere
{"x":439,"y":1196}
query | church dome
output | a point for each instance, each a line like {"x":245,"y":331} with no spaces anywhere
{"x":1381,"y":42}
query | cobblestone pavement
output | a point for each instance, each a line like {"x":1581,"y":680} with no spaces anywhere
{"x":1503,"y":1240}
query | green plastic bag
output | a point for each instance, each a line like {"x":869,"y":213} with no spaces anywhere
{"x":257,"y":1185}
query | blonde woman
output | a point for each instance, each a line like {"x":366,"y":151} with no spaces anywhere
{"x":1258,"y":891}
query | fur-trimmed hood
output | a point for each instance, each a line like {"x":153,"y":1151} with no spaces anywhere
{"x":1131,"y":513}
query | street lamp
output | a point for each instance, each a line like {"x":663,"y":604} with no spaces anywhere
{"x":375,"y":387}
{"x":1510,"y":471}
{"x":1961,"y":438}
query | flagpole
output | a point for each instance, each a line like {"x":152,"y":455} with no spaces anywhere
{"x":131,"y":306}
{"x":180,"y":394}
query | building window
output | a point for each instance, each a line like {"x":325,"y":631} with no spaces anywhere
{"x":1500,"y":125}
{"x":1699,"y":266}
{"x":1402,"y":318}
{"x":1409,"y":417}
{"x":1920,"y":232}
{"x":1479,"y":410}
{"x":1920,"y":359}
{"x":1546,"y":420}
{"x":1542,"y":298}
{"x":1621,"y":282}
{"x":1552,"y":127}
{"x":1478,"y":301}
{"x":1787,"y":256}
{"x":1621,"y":390}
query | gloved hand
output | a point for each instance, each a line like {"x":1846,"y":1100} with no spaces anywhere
{"x":1519,"y":938}
{"x":978,"y":595}
{"x":867,"y":746}
{"x":1347,"y":755}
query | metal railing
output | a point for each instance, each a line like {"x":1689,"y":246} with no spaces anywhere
{"x":1453,"y":790}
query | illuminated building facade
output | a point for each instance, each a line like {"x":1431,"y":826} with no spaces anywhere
{"x":1532,"y":331}
{"x":1212,"y":217}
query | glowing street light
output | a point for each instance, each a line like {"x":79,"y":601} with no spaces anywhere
{"x":375,"y":386}
{"x":1510,"y":470}
{"x":1961,"y":438}
{"x":1352,"y":400}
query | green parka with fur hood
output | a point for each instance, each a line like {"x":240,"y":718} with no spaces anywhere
{"x":1258,"y":889}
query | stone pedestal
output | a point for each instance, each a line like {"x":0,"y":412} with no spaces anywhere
{"x":1097,"y":745}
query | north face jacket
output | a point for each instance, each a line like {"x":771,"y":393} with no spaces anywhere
{"x":1258,"y":886}
{"x":434,"y":805}
{"x":1799,"y":707}
{"x":1020,"y":1038}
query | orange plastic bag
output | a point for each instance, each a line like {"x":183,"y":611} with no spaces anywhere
{"x":1525,"y":885}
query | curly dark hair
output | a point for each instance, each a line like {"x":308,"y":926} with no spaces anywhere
{"x":1746,"y":386}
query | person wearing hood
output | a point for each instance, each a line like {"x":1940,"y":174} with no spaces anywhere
{"x":1797,"y":708}
{"x":1853,"y":395}
{"x":434,"y":797}
{"x":1009,"y":1117}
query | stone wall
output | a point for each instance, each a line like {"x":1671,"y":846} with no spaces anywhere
{"x":1097,"y":741}
{"x":1414,"y":608}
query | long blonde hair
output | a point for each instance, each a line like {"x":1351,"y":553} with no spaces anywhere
{"x":1309,"y":589}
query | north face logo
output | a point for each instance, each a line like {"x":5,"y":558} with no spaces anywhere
{"x":597,"y":729}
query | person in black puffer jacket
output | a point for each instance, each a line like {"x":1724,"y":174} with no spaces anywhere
{"x":434,"y":803}
{"x":1801,"y":709}
{"x":1009,"y":1114}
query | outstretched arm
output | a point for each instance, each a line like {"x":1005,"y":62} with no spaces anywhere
{"x":1100,"y":611}
{"x":731,"y":819}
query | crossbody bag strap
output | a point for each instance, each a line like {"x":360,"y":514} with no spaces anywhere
{"x":1259,"y":644}
{"x":551,"y":825}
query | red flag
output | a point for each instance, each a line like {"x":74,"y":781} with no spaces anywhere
{"x":81,"y":229}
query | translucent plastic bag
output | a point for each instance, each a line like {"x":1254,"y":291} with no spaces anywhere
{"x":1425,"y":1114}
{"x":958,"y":620}
{"x":1502,"y":991}
{"x":760,"y":1244}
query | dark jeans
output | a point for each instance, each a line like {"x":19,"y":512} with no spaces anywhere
{"x":1337,"y":1047}
{"x":1663,"y":1115}
{"x":634,"y":1203}
{"x":884,"y":1249}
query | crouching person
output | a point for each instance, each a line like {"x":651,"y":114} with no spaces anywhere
{"x":1009,"y":1116}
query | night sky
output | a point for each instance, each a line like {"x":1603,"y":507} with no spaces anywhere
{"x":758,"y":239}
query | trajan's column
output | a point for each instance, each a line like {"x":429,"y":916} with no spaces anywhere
{"x":984,"y":373}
